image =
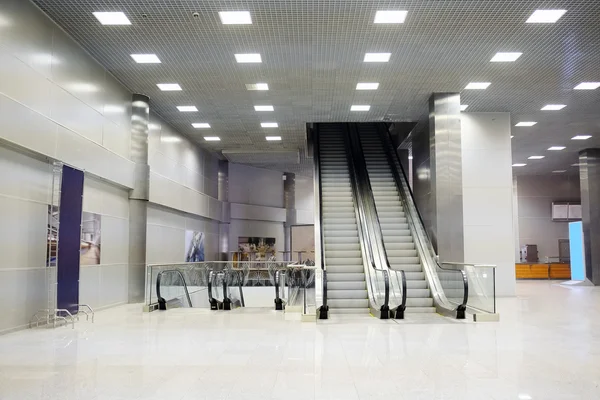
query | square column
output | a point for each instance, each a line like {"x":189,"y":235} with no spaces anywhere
{"x":589,"y":175}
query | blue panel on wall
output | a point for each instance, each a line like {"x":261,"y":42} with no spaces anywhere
{"x":577,"y":251}
{"x":69,"y":239}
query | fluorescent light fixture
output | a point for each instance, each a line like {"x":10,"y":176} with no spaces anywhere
{"x":248,"y":58}
{"x":575,"y":165}
{"x":587,"y":86}
{"x":410,"y":157}
{"x":273,"y":138}
{"x":478,"y":85}
{"x":581,"y":137}
{"x":377,"y":57}
{"x":235,"y":17}
{"x":545,"y":16}
{"x":390,"y":17}
{"x":559,"y":171}
{"x":168,"y":87}
{"x":519,"y":165}
{"x":212,"y":138}
{"x":145,"y":58}
{"x":367,"y":86}
{"x":257,"y":86}
{"x":524,"y":396}
{"x":264,"y":108}
{"x":535,"y":157}
{"x":526,"y":123}
{"x":187,"y":108}
{"x":506,"y":57}
{"x":553,"y":107}
{"x":170,"y":139}
{"x":556,"y":148}
{"x":360,"y":108}
{"x":463,"y":107}
{"x":112,"y":18}
{"x":269,"y":124}
{"x":511,"y":136}
{"x":201,"y":125}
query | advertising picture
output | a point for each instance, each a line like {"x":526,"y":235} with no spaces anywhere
{"x":256,"y":248}
{"x":194,"y":246}
{"x":89,"y":250}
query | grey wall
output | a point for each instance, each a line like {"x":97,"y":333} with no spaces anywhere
{"x":305,"y":200}
{"x":533,"y":198}
{"x":421,"y":175}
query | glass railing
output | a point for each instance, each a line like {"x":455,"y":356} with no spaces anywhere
{"x":481,"y":292}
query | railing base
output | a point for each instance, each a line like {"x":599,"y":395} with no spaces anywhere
{"x":384,"y":313}
{"x":279,"y":305}
{"x":323,"y":312}
{"x":399,"y":313}
{"x":461,"y":312}
{"x":214,"y":304}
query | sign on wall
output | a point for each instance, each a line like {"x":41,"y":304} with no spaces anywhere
{"x":194,"y":246}
{"x":89,"y":249}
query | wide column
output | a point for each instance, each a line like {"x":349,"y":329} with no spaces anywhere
{"x":289,"y":202}
{"x":446,"y":199}
{"x":223,"y":196}
{"x":589,"y":175}
{"x":138,"y":197}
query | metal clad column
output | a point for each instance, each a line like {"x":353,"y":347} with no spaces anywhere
{"x":289,"y":202}
{"x":223,"y":196}
{"x":138,"y":197}
{"x":446,"y":175}
{"x":589,"y":175}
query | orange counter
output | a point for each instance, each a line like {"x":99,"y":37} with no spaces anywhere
{"x":543,"y":271}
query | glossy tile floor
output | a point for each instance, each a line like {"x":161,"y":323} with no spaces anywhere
{"x":547,"y":346}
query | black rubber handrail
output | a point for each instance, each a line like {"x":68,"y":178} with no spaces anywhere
{"x":324,"y":309}
{"x":358,"y":196}
{"x":392,"y":156}
{"x":162,"y":303}
{"x":372,"y":208}
{"x":278,"y":300}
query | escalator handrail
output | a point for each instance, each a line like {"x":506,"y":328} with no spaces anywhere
{"x":358,"y":199}
{"x":317,"y":175}
{"x":372,"y":208}
{"x":158,"y":279}
{"x":392,"y":158}
{"x":211,"y":275}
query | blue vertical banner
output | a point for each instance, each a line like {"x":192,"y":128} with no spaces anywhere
{"x":577,"y":249}
{"x":69,"y":239}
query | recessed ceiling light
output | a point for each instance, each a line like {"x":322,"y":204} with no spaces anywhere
{"x":112,"y":18}
{"x":478,"y":85}
{"x":559,"y":171}
{"x":587,"y":86}
{"x":360,"y":108}
{"x":170,"y":139}
{"x":248,"y":58}
{"x":367,"y":86}
{"x":201,"y":125}
{"x":556,"y":148}
{"x":145,"y":58}
{"x":273,"y":138}
{"x":535,"y":157}
{"x":263,"y":108}
{"x":269,"y":124}
{"x":526,"y":123}
{"x":575,"y":165}
{"x":377,"y":57}
{"x":235,"y":17}
{"x":168,"y":87}
{"x":524,"y":396}
{"x":187,"y":108}
{"x":257,"y":86}
{"x":506,"y":57}
{"x":511,"y":136}
{"x":390,"y":17}
{"x":463,"y":107}
{"x":212,"y":138}
{"x":519,"y":165}
{"x":581,"y":137}
{"x":545,"y":16}
{"x":553,"y":107}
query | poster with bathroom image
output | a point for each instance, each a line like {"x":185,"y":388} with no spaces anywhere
{"x":89,"y":248}
{"x":194,"y":246}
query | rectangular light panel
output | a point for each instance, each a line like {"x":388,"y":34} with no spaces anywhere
{"x":377,"y":57}
{"x":560,"y":171}
{"x":463,"y":107}
{"x":478,"y":85}
{"x":168,"y":87}
{"x":112,"y":18}
{"x":581,"y":137}
{"x":187,"y":108}
{"x":360,"y":108}
{"x":535,"y":157}
{"x":390,"y":17}
{"x":269,"y":124}
{"x":235,"y":17}
{"x":201,"y":125}
{"x":519,"y":165}
{"x":556,"y":148}
{"x":263,"y":108}
{"x":506,"y":57}
{"x":553,"y":107}
{"x":212,"y":138}
{"x":545,"y":16}
{"x":526,"y":123}
{"x":367,"y":86}
{"x":257,"y":86}
{"x":248,"y":58}
{"x":146,"y":58}
{"x":587,"y":86}
{"x":273,"y":138}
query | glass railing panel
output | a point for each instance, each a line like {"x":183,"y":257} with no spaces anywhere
{"x":482,"y":287}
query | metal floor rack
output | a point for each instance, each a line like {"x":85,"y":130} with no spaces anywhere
{"x":50,"y":317}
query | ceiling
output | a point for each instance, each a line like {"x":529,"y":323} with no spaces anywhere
{"x":312,"y":53}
